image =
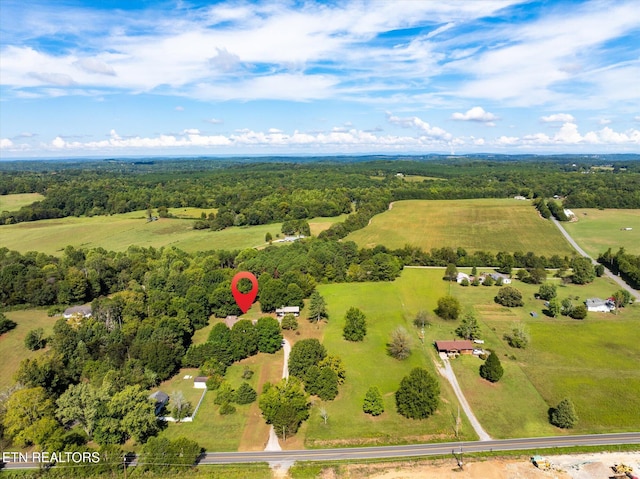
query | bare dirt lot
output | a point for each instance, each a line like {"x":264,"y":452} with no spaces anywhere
{"x":578,"y":466}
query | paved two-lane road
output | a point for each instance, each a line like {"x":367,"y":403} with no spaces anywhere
{"x":414,"y":450}
{"x":634,"y":293}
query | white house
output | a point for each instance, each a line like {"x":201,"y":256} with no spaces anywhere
{"x":598,"y":305}
{"x":281,"y":312}
{"x":504,"y":277}
{"x":461,"y":277}
{"x":83,"y":311}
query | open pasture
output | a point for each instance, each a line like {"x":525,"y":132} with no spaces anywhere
{"x":118,"y":232}
{"x":598,"y":230}
{"x":17,"y":201}
{"x":475,"y":225}
{"x":387,"y":306}
{"x":595,"y":362}
{"x":12,"y":348}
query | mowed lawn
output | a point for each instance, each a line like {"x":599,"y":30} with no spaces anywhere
{"x":475,"y":225}
{"x":17,"y":201}
{"x":595,"y":362}
{"x":118,"y":232}
{"x":387,"y":306}
{"x":598,"y":230}
{"x":244,"y":430}
{"x":12,"y":348}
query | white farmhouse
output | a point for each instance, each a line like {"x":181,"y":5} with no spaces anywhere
{"x":598,"y":305}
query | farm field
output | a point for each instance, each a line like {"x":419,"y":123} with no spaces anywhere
{"x":595,"y":362}
{"x":387,"y":306}
{"x":12,"y":348}
{"x":118,"y":232}
{"x":17,"y":201}
{"x":475,"y":225}
{"x":597,"y":230}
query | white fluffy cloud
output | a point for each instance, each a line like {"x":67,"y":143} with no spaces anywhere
{"x":478,"y":114}
{"x":422,"y":126}
{"x":558,"y":118}
{"x":5,"y":143}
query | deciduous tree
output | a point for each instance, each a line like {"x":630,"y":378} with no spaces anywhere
{"x":564,"y":414}
{"x":418,"y":395}
{"x":469,"y":327}
{"x":448,"y":308}
{"x":269,"y":335}
{"x":284,"y":405}
{"x":509,"y":296}
{"x":547,"y":291}
{"x":304,"y":354}
{"x":583,"y":270}
{"x":400,"y":345}
{"x":26,"y":411}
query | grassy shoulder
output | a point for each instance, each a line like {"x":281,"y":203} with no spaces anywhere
{"x":475,"y":225}
{"x":118,"y":232}
{"x":597,"y":230}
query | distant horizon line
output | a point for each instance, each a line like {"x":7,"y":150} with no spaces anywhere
{"x":628,"y":156}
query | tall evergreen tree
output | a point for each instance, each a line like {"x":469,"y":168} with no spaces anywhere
{"x":373,"y":403}
{"x":317,"y":307}
{"x":355,"y":328}
{"x":491,"y":369}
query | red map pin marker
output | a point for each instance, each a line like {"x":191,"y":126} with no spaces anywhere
{"x":244,"y":300}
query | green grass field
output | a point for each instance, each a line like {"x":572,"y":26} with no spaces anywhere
{"x":17,"y":201}
{"x":386,"y":305}
{"x":595,"y":362}
{"x":12,"y":348}
{"x":118,"y":232}
{"x":484,"y":224}
{"x":597,"y":230}
{"x":244,"y":430}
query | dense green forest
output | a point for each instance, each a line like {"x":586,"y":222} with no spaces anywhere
{"x":251,"y":193}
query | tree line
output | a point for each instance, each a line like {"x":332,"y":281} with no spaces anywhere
{"x":260,"y":193}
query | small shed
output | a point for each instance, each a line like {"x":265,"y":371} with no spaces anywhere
{"x":200,"y":382}
{"x":462,"y":346}
{"x":160,"y":400}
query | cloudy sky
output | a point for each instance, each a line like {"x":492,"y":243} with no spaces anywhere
{"x":128,"y":77}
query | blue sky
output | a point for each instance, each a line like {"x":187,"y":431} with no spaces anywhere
{"x":113,"y":78}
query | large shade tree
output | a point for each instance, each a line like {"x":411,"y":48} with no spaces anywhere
{"x":418,"y":394}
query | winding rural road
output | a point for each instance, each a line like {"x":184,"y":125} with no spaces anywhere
{"x":634,"y":292}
